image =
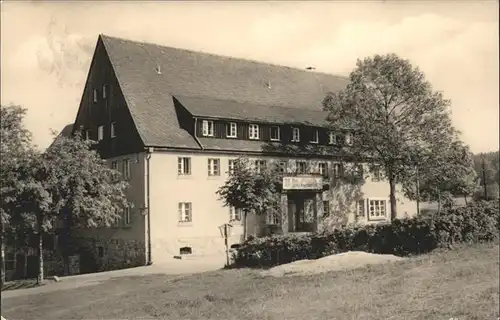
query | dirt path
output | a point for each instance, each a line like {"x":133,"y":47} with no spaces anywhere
{"x":175,"y":267}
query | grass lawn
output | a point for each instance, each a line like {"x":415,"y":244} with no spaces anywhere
{"x":462,"y":284}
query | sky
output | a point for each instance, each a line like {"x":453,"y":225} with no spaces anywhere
{"x":46,"y":47}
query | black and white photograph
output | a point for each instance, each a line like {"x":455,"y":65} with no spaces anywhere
{"x":241,"y":160}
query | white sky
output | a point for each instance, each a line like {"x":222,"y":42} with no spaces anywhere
{"x":46,"y":47}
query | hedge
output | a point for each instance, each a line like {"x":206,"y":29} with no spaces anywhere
{"x":476,"y":222}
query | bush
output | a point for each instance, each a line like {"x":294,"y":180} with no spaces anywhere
{"x":477,"y":222}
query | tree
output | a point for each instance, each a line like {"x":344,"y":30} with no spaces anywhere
{"x":251,"y":191}
{"x":445,"y":173}
{"x":15,"y":149}
{"x":394,"y":114}
{"x":68,"y":182}
{"x":487,"y":168}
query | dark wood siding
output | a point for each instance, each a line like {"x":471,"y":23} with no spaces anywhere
{"x":306,"y":132}
{"x":112,"y":109}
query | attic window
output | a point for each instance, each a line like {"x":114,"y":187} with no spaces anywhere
{"x":253,"y":131}
{"x":275,"y":133}
{"x":95,"y":95}
{"x":112,"y":130}
{"x":104,"y":91}
{"x":208,"y":128}
{"x":315,"y":136}
{"x":295,"y":135}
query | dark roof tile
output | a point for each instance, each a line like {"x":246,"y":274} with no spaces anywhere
{"x":195,"y":74}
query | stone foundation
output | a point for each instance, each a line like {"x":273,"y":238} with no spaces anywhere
{"x":98,"y":255}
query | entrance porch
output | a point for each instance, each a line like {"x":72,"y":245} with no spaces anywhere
{"x":301,"y":204}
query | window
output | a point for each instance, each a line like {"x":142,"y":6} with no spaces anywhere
{"x":112,"y":129}
{"x":358,"y":170}
{"x":272,"y":217}
{"x":231,"y":131}
{"x":295,"y":135}
{"x":332,"y":137}
{"x":377,"y":209}
{"x":10,"y":261}
{"x":301,"y":167}
{"x":260,"y":165}
{"x":275,"y":133}
{"x":104,"y":91}
{"x":94,"y":92}
{"x":348,"y":139}
{"x":235,"y":214}
{"x":183,"y":166}
{"x":185,"y":214}
{"x":87,"y":134}
{"x":253,"y":131}
{"x":361,"y":208}
{"x":126,"y":216}
{"x":323,"y":169}
{"x":114,"y":165}
{"x":326,"y":208}
{"x":337,"y":170}
{"x":126,"y":169}
{"x":213,"y":167}
{"x":377,"y":174}
{"x":315,"y":136}
{"x":282,"y":166}
{"x":100,"y":133}
{"x":230,"y":165}
{"x":208,"y":128}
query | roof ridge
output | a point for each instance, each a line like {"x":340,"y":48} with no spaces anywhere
{"x":223,"y":56}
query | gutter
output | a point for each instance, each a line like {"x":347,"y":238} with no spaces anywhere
{"x":148,"y":203}
{"x":195,"y":135}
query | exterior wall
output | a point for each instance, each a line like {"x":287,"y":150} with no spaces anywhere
{"x":122,"y":245}
{"x":202,"y":234}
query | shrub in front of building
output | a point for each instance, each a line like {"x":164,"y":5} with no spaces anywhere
{"x":477,"y":222}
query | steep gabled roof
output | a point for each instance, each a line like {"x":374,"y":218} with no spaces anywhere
{"x":149,"y":93}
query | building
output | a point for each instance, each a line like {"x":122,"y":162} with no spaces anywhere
{"x":173,"y":121}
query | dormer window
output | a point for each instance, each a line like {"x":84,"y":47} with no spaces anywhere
{"x":315,"y":136}
{"x":348,"y":139}
{"x":231,"y":130}
{"x":208,"y":128}
{"x":295,"y":135}
{"x":275,"y":133}
{"x":104,"y":91}
{"x":94,"y":94}
{"x":253,"y":131}
{"x":334,"y":138}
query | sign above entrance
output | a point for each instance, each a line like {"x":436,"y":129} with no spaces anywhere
{"x":302,"y":183}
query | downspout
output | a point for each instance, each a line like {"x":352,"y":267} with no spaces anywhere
{"x":195,"y":135}
{"x":148,"y":204}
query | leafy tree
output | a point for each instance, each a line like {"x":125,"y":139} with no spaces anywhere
{"x":444,"y":173}
{"x":487,"y":168}
{"x":394,"y":114}
{"x":15,"y":149}
{"x":71,"y":183}
{"x":251,"y":191}
{"x":68,"y":182}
